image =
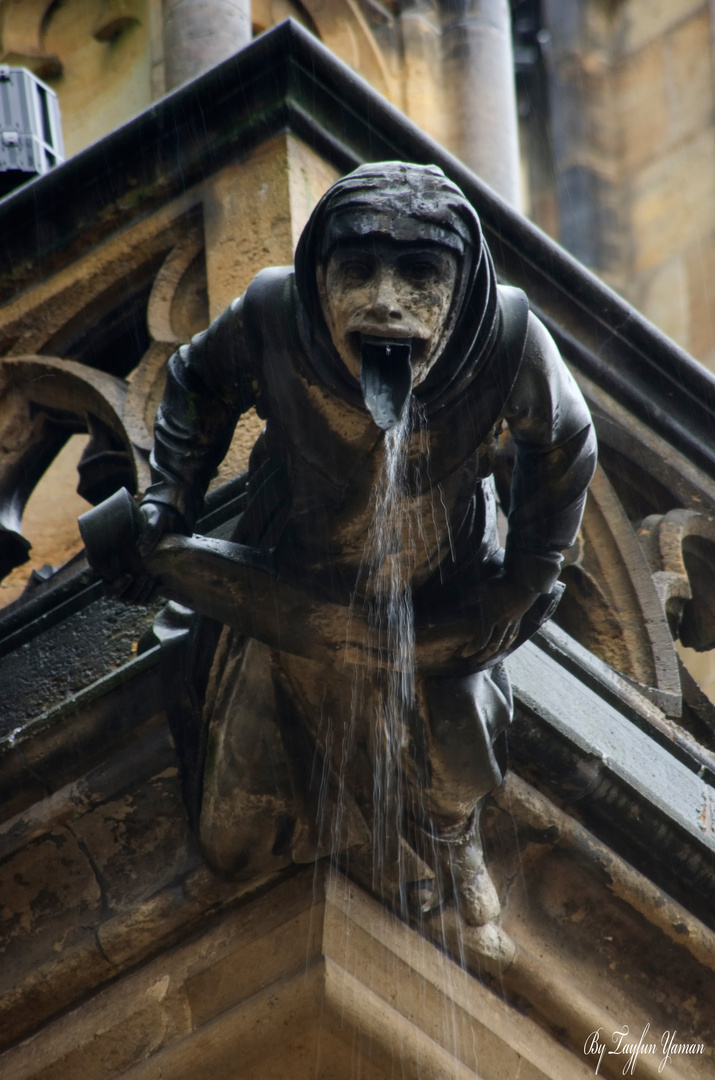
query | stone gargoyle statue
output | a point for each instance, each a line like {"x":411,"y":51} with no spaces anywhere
{"x":349,"y":690}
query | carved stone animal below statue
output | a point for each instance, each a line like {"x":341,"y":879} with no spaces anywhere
{"x":355,"y":701}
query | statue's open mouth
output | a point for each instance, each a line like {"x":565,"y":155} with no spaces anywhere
{"x":385,"y":377}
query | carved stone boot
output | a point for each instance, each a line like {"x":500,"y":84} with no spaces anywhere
{"x":460,"y":870}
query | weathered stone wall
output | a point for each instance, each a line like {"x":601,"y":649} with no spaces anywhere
{"x":108,"y":59}
{"x":280,"y":182}
{"x":101,"y":57}
{"x":621,"y":172}
{"x":664,"y":95}
{"x":628,"y":184}
{"x":123,"y":955}
{"x":619,"y":141}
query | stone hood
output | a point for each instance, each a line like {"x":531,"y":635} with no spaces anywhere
{"x":405,"y":203}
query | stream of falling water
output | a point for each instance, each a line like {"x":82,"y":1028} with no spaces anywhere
{"x":383,"y":699}
{"x":383,"y":681}
{"x":383,"y":686}
{"x":387,"y":567}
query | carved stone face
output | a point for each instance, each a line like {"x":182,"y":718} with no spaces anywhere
{"x":381,"y":290}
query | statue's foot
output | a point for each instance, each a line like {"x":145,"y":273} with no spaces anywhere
{"x":462,"y":872}
{"x":476,"y":896}
{"x":474,"y":891}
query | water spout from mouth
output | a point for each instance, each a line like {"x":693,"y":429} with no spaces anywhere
{"x":386,"y":378}
{"x":382,"y":705}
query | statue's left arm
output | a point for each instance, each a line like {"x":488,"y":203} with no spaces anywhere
{"x":209,"y":384}
{"x":555,"y":461}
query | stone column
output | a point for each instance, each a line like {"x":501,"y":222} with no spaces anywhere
{"x":585,"y":138}
{"x":200,"y":33}
{"x":422,"y":63}
{"x":478,"y":67}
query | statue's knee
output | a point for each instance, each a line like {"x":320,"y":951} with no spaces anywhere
{"x":468,"y":718}
{"x":246,"y":842}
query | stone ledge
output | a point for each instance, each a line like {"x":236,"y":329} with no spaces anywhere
{"x":136,"y":900}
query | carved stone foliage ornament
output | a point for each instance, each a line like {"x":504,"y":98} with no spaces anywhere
{"x":355,"y":701}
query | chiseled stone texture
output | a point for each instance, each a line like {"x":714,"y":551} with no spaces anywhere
{"x":312,"y":980}
{"x":126,"y":957}
{"x":664,"y":92}
{"x":672,"y":203}
{"x":138,"y":842}
{"x":57,"y":665}
{"x":102,"y":83}
{"x":700,"y":262}
{"x":82,"y":869}
{"x":663,"y":72}
{"x":50,"y":898}
{"x":281,"y":181}
{"x":633,"y":99}
{"x":663,"y":298}
{"x":641,"y":21}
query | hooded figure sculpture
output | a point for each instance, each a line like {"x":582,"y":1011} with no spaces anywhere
{"x":385,"y":366}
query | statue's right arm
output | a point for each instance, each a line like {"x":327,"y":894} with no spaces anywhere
{"x":555,"y":459}
{"x":209,"y":385}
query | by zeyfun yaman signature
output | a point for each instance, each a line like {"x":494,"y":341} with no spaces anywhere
{"x":624,"y":1047}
